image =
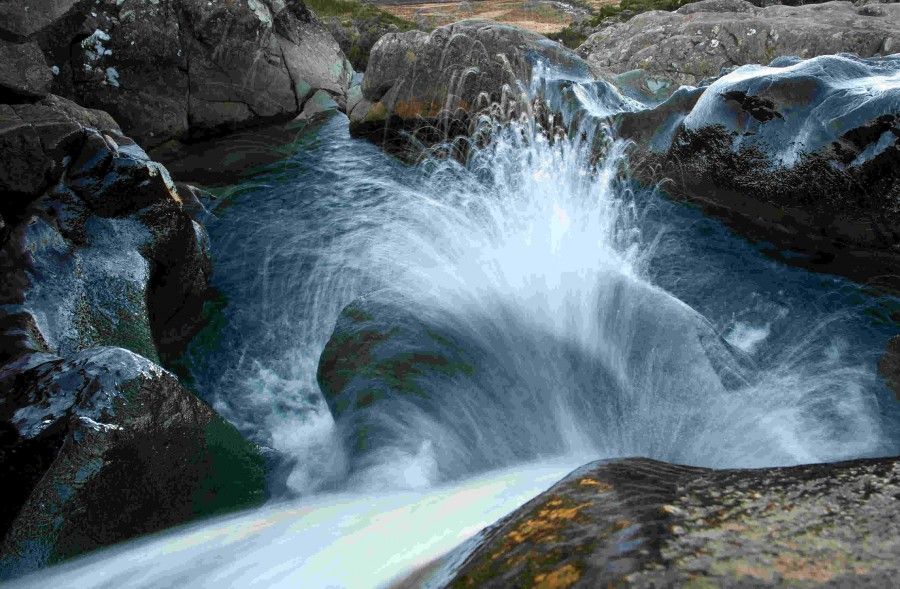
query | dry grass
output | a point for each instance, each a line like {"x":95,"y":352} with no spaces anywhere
{"x":540,"y":16}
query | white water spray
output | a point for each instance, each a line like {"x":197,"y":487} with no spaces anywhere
{"x":545,"y":269}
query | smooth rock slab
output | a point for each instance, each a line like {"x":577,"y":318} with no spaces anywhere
{"x":642,"y":523}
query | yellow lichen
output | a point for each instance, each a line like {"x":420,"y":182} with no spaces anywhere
{"x":565,"y":576}
{"x":601,"y":486}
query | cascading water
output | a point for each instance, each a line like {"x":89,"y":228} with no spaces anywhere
{"x":592,"y":319}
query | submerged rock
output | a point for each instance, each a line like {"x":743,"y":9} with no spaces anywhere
{"x":699,"y":39}
{"x":104,"y":273}
{"x":187,"y":68}
{"x":642,"y":523}
{"x":428,"y":87}
{"x":455,"y":390}
{"x":803,"y":153}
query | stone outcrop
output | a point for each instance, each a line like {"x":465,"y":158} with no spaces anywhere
{"x":698,"y":40}
{"x":642,"y":523}
{"x":423,"y":88}
{"x":788,"y":154}
{"x":173,"y":69}
{"x":104,"y":274}
{"x":105,"y":445}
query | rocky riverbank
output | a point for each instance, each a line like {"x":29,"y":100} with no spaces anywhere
{"x":105,"y":273}
{"x":105,"y":262}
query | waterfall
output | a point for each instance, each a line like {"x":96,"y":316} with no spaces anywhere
{"x":585,"y":317}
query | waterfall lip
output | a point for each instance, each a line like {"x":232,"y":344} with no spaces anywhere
{"x":377,"y":532}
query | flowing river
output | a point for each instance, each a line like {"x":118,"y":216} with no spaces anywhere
{"x":600,"y":320}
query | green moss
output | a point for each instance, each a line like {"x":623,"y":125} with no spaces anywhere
{"x":235,"y":472}
{"x":130,"y":329}
{"x":357,"y":314}
{"x":400,"y":371}
{"x":353,"y":15}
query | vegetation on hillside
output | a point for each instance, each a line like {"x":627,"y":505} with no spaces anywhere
{"x":574,"y":35}
{"x":357,"y":25}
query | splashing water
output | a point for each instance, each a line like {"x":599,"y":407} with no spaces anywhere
{"x":600,"y":320}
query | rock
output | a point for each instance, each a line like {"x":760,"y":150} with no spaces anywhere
{"x":188,"y":69}
{"x":34,"y":139}
{"x":104,"y":273}
{"x":641,"y":523}
{"x":700,"y":39}
{"x":108,"y":256}
{"x":23,"y":71}
{"x":889,"y":365}
{"x":122,"y":449}
{"x":20,"y":21}
{"x":394,"y":363}
{"x":789,"y":154}
{"x":434,"y":85}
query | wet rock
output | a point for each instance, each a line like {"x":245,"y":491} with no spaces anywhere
{"x":785,"y":153}
{"x":107,"y":255}
{"x":424,"y":88}
{"x":23,"y":71}
{"x":642,"y":523}
{"x":700,"y":39}
{"x":34,"y":139}
{"x":402,"y":377}
{"x":889,"y":365}
{"x":104,"y":275}
{"x":187,"y":69}
{"x":105,"y":445}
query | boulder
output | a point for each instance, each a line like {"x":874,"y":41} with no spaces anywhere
{"x":641,"y":523}
{"x":699,"y":39}
{"x":802,"y":153}
{"x":185,"y":69}
{"x":105,"y":273}
{"x":105,"y":254}
{"x":104,"y":445}
{"x":429,"y":87}
{"x":23,"y":70}
{"x":406,"y":379}
{"x":358,"y":34}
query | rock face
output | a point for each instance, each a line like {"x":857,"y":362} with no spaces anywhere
{"x":104,"y":273}
{"x":700,"y":39}
{"x":433,"y":85}
{"x":176,"y":69}
{"x":642,"y":523}
{"x":805,"y":154}
{"x":105,"y":445}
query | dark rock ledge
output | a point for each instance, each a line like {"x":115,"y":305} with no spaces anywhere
{"x":641,"y":523}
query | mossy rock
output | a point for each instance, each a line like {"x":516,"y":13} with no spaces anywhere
{"x":138,"y":455}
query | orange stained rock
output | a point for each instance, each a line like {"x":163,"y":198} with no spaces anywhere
{"x":601,"y":486}
{"x":564,"y":576}
{"x":548,"y":520}
{"x":795,"y":568}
